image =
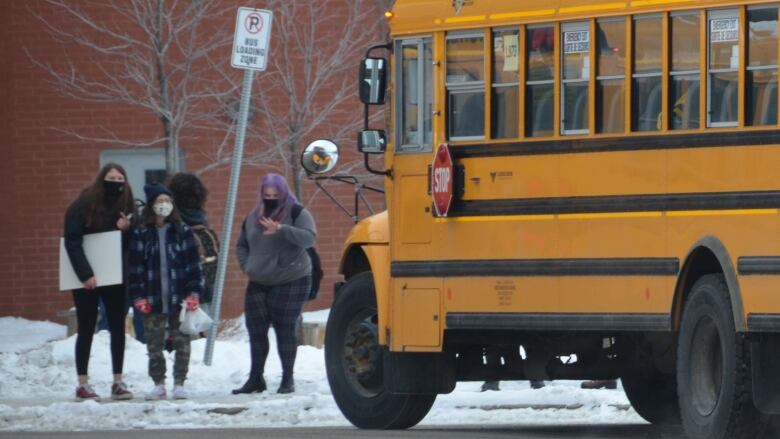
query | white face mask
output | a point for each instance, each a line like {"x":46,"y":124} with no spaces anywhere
{"x":163,"y":209}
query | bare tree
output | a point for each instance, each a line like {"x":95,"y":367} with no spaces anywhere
{"x":310,"y":88}
{"x":162,"y":57}
{"x":168,"y":58}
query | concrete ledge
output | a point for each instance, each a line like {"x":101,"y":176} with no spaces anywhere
{"x":313,"y":334}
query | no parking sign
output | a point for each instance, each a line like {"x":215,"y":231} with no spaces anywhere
{"x":250,"y":42}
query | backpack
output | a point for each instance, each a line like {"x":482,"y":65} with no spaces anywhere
{"x":316,"y":264}
{"x":208,"y":248}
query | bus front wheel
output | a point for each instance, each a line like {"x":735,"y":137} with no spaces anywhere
{"x":353,"y":359}
{"x":714,"y":383}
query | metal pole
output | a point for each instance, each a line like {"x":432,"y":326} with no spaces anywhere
{"x":230,"y":207}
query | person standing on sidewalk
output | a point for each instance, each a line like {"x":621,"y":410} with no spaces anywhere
{"x":106,"y":205}
{"x":189,"y":196}
{"x":272,"y":252}
{"x":165,"y":274}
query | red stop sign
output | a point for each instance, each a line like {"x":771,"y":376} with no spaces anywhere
{"x":441,"y":180}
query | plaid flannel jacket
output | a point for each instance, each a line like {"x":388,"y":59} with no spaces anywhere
{"x":185,"y":276}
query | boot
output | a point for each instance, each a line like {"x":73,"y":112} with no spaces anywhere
{"x":537,"y":384}
{"x":287,"y":385}
{"x":489,"y":385}
{"x":255,"y":383}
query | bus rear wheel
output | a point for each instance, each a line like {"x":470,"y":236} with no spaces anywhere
{"x":353,"y":359}
{"x":714,"y":384}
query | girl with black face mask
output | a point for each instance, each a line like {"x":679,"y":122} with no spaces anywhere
{"x":106,"y":205}
{"x":272,"y":252}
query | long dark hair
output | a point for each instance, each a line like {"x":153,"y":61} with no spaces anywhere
{"x":286,"y":199}
{"x":96,"y":207}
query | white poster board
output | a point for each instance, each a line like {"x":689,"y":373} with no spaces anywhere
{"x":104,"y":253}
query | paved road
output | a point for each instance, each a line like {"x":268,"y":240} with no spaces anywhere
{"x":429,"y":432}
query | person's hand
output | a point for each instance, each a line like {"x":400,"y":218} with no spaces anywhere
{"x":191,"y":303}
{"x":143,"y":306}
{"x":123,"y":223}
{"x":90,"y":284}
{"x":270,"y":226}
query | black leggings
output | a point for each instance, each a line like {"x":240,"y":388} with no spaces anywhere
{"x":87,"y":311}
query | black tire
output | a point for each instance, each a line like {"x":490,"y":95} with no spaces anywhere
{"x":652,"y":394}
{"x":714,"y":384}
{"x":353,"y":359}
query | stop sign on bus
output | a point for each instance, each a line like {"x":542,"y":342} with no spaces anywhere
{"x":441,"y":180}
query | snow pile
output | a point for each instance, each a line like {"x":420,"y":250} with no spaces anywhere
{"x":38,"y":378}
{"x":17,"y":335}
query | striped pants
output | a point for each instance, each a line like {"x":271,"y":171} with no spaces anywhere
{"x":280,"y":306}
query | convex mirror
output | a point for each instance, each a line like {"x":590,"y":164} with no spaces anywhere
{"x":320,"y":156}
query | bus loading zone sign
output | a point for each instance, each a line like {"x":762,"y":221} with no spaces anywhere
{"x":250,"y":42}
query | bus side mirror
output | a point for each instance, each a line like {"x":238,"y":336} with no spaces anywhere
{"x":372,"y":141}
{"x":373,"y":80}
{"x":320,"y":156}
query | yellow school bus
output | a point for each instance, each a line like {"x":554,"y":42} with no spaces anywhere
{"x":612,"y":209}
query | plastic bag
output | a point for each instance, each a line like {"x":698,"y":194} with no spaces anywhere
{"x":194,"y":322}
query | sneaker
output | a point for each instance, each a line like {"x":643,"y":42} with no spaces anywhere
{"x":179,"y":392}
{"x":157,"y":393}
{"x":84,"y":392}
{"x":119,"y":392}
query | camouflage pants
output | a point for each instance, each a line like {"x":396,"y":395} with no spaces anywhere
{"x":154,"y":330}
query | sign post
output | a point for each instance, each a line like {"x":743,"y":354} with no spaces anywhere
{"x":250,"y":52}
{"x":442,"y":180}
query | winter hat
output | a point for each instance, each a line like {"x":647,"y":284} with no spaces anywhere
{"x":155,"y":190}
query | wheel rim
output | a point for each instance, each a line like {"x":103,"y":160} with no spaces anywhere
{"x":706,"y":366}
{"x":362,"y":356}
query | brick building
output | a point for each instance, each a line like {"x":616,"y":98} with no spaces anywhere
{"x":42,"y":169}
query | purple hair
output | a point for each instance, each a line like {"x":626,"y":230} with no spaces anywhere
{"x":286,"y":199}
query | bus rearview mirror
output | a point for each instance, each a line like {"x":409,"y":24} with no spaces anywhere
{"x":373,"y":80}
{"x":372,"y":141}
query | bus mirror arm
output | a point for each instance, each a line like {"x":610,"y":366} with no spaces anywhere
{"x":385,"y":46}
{"x":386,"y":172}
{"x":358,"y":191}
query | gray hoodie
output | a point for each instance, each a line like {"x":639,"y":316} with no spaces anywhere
{"x":278,"y":258}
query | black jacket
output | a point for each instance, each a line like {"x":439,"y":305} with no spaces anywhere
{"x":75,"y":229}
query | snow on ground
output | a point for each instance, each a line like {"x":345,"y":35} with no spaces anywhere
{"x":17,"y":335}
{"x":38,"y":378}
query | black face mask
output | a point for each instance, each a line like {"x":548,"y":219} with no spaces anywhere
{"x":269,"y":206}
{"x":113,"y":188}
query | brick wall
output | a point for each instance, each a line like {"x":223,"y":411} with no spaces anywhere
{"x":42,"y":171}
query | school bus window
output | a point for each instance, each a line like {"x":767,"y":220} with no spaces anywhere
{"x":761,"y":66}
{"x":415,"y":94}
{"x":611,"y":78}
{"x":540,"y":77}
{"x":575,"y":75}
{"x":723,"y":65}
{"x":504,"y":101}
{"x":684,"y":84}
{"x":465,"y":86}
{"x":646,"y":90}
